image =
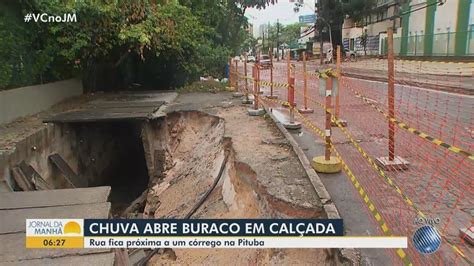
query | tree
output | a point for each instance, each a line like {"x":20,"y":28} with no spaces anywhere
{"x":334,"y":13}
{"x":117,"y":43}
{"x":290,"y":33}
{"x":248,"y":45}
{"x":358,"y":9}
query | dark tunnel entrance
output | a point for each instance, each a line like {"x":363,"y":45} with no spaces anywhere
{"x":112,"y":154}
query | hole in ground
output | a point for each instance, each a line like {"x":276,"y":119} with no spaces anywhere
{"x":112,"y":154}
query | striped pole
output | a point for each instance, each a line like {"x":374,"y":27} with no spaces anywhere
{"x":305,"y":77}
{"x":327,"y":153}
{"x":288,"y":67}
{"x":236,"y":75}
{"x":338,"y":72}
{"x":391,"y":97}
{"x":245,"y":75}
{"x":271,"y":74}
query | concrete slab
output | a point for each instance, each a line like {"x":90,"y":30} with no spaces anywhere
{"x":16,"y":207}
{"x":13,"y":221}
{"x":306,"y":110}
{"x":246,"y":100}
{"x":292,"y":125}
{"x":398,"y":163}
{"x":256,"y":112}
{"x":283,"y":117}
{"x":118,"y":107}
{"x":106,"y":114}
{"x":50,"y":198}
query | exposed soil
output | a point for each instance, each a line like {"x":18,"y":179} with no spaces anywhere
{"x":262,"y":179}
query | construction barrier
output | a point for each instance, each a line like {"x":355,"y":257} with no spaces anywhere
{"x":420,"y":112}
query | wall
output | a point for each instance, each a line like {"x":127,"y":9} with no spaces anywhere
{"x":445,"y":17}
{"x":439,"y":30}
{"x":35,"y":149}
{"x":376,"y":28}
{"x":417,"y":21}
{"x":29,"y":100}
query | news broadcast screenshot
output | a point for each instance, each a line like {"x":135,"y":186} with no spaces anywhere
{"x":237,"y":132}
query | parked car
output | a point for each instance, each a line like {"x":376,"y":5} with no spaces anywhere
{"x":250,"y":58}
{"x":265,"y":61}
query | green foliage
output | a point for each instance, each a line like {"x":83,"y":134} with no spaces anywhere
{"x":158,"y":44}
{"x":358,"y":9}
{"x":288,"y":34}
{"x":25,"y":58}
{"x":204,"y":86}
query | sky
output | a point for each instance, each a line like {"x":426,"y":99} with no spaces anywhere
{"x":283,"y":11}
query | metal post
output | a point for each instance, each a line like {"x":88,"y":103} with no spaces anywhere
{"x":236,"y":75}
{"x":327,"y":153}
{"x":246,"y":100}
{"x":291,"y":124}
{"x":278,"y":40}
{"x":258,"y":78}
{"x":339,"y":122}
{"x":245,"y":75}
{"x":271,"y":74}
{"x":256,"y":110}
{"x":305,"y":77}
{"x":305,"y":109}
{"x":291,"y":98}
{"x":318,"y":15}
{"x":391,"y":96}
{"x":288,"y":66}
{"x":255,"y":86}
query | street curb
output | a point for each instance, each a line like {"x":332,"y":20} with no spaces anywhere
{"x":347,"y":254}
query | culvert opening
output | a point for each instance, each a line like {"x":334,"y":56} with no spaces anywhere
{"x":112,"y":154}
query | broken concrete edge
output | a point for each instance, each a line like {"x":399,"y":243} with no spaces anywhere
{"x":347,"y":254}
{"x":7,"y":182}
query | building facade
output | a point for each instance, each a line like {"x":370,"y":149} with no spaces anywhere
{"x":438,"y":30}
{"x":373,"y":26}
{"x":421,"y":28}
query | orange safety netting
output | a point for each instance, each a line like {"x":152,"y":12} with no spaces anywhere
{"x":434,"y":132}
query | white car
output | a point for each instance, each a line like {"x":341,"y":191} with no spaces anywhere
{"x":250,"y":58}
{"x":265,"y":61}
